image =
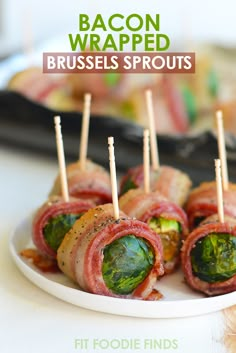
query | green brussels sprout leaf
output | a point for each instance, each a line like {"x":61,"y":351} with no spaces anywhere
{"x":126,"y":263}
{"x":214,"y":257}
{"x":160,"y":224}
{"x":128,"y":185}
{"x":57,"y":227}
{"x":112,"y":78}
{"x":169,"y":231}
{"x":190,"y":104}
{"x":213,"y":83}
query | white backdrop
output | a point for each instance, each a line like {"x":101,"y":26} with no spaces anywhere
{"x":183,"y":20}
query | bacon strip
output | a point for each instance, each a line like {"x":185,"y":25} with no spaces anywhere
{"x":202,"y":202}
{"x":93,"y":183}
{"x":176,"y":104}
{"x":144,"y":206}
{"x":170,"y":182}
{"x":35,"y":85}
{"x":80,"y":255}
{"x":53,"y":207}
{"x":209,"y":226}
{"x":43,"y":263}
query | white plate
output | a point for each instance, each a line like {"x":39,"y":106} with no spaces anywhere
{"x":179,"y":300}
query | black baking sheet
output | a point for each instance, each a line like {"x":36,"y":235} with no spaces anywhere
{"x":29,"y":126}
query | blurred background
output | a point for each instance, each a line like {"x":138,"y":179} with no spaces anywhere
{"x":208,"y":21}
{"x":183,"y":103}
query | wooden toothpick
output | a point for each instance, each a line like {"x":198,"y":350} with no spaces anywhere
{"x":146,"y":160}
{"x":220,"y":202}
{"x":113,"y":177}
{"x":61,"y":159}
{"x":84,"y":131}
{"x":152,"y":129}
{"x":222,"y":149}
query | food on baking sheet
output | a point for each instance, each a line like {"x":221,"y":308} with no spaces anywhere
{"x":208,"y":256}
{"x":166,"y":218}
{"x":170,"y":182}
{"x":202,"y":202}
{"x":92,"y":183}
{"x":185,"y":102}
{"x":53,"y":220}
{"x":118,"y":258}
{"x":42,"y":88}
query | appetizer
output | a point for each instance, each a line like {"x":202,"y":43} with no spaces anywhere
{"x":166,"y":218}
{"x":208,"y":257}
{"x":202,"y":202}
{"x":43,"y":88}
{"x":112,"y":257}
{"x":170,"y":182}
{"x":183,"y":101}
{"x":91,"y":183}
{"x":209,"y":252}
{"x":53,"y":220}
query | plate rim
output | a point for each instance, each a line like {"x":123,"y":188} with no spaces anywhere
{"x":115,"y":306}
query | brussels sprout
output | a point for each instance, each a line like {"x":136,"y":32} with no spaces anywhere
{"x":126,"y":263}
{"x":112,"y":79}
{"x":57,"y":227}
{"x":169,"y":231}
{"x":213,"y":83}
{"x":127,"y":109}
{"x":214,"y":257}
{"x":190,"y":104}
{"x":197,"y":221}
{"x":129,"y":184}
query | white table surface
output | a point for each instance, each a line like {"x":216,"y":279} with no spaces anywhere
{"x":32,"y":321}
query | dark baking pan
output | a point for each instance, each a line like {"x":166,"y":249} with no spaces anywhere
{"x":27,"y":125}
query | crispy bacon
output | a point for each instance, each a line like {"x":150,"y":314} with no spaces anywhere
{"x":143,"y":206}
{"x":35,"y":85}
{"x":209,"y":226}
{"x":53,"y":207}
{"x":170,"y":182}
{"x":80,"y":255}
{"x":93,"y":183}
